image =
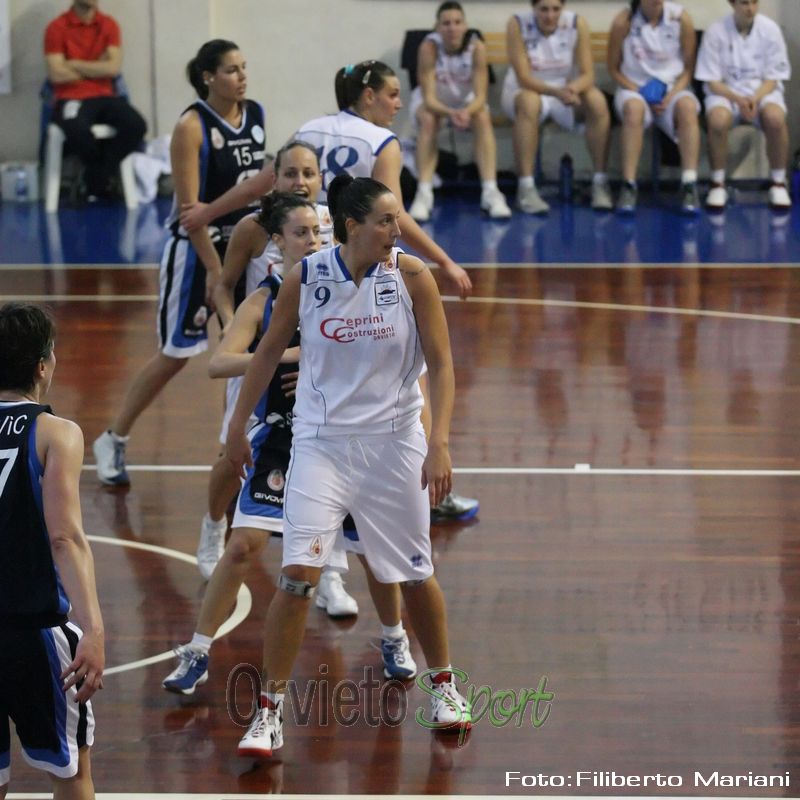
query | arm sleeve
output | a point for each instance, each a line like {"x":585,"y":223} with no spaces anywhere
{"x":53,"y":39}
{"x":709,"y":66}
{"x":776,"y":59}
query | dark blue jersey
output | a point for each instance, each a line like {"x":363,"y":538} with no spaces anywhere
{"x":31,"y":595}
{"x":274,"y":400}
{"x":228,"y":156}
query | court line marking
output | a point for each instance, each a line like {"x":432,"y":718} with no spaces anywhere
{"x":508,"y":301}
{"x":555,"y":265}
{"x":578,"y":469}
{"x":244,"y":603}
{"x":228,"y":796}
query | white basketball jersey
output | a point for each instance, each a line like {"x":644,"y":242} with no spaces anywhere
{"x":551,"y":58}
{"x":361,"y":354}
{"x":344,"y":142}
{"x":453,"y":72}
{"x":654,"y":51}
{"x":743,"y":63}
{"x":271,"y":261}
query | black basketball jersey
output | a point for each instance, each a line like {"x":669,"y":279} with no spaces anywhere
{"x":31,"y":594}
{"x":274,"y":400}
{"x":229,"y":155}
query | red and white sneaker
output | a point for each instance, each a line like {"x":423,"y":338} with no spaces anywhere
{"x":449,"y":710}
{"x":265,"y":734}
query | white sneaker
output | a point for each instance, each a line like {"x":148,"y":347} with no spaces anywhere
{"x":449,"y":710}
{"x":421,"y":208}
{"x":530,"y":201}
{"x":265,"y":734}
{"x":779,"y":197}
{"x":493,"y":202}
{"x":601,"y":196}
{"x":331,"y":595}
{"x":109,"y":455}
{"x":211,"y":544}
{"x":717,"y":197}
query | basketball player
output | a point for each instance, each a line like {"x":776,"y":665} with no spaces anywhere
{"x":218,"y":141}
{"x":292,"y":224}
{"x":49,"y":666}
{"x":651,"y":54}
{"x":552,"y":77}
{"x":453,"y":80}
{"x":370,"y":317}
{"x":743,"y":61}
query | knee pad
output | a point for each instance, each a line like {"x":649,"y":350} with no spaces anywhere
{"x":298,"y":588}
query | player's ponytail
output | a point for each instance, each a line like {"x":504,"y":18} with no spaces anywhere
{"x":208,"y":59}
{"x":351,"y":81}
{"x":276,"y":207}
{"x":352,"y":198}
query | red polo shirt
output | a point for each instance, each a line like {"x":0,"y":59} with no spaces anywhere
{"x":83,"y":42}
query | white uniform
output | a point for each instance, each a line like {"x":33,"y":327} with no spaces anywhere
{"x":344,"y":142}
{"x":654,"y":51}
{"x":551,"y":59}
{"x":454,"y":76}
{"x":743,"y":63}
{"x":265,"y":263}
{"x":358,"y":444}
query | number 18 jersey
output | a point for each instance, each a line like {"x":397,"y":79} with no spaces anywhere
{"x":361,"y":354}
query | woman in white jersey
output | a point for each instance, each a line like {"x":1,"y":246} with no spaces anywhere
{"x":293,"y":227}
{"x":218,"y":141}
{"x":251,"y":252}
{"x":453,"y":80}
{"x":743,"y":62}
{"x":551,"y":76}
{"x":651,"y":54}
{"x":356,"y":141}
{"x":368,"y":315}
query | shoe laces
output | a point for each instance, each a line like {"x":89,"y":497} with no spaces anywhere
{"x":258,"y":727}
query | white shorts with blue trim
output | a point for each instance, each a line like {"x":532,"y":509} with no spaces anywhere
{"x":375,"y":478}
{"x":664,"y":121}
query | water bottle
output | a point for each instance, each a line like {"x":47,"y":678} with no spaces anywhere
{"x":21,"y":185}
{"x":565,"y":174}
{"x":796,"y":177}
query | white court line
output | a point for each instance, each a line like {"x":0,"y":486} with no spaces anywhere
{"x":689,"y":312}
{"x":80,"y":298}
{"x":579,"y":469}
{"x":227,"y":796}
{"x":244,"y":602}
{"x":471,"y":265}
{"x":508,"y":301}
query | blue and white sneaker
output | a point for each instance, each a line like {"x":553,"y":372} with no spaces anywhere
{"x":397,"y":661}
{"x":109,"y":455}
{"x":191,"y":672}
{"x":455,"y":508}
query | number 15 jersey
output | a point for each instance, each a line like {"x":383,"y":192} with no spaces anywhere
{"x":361,"y":353}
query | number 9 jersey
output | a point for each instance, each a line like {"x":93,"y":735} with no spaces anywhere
{"x":361,"y":354}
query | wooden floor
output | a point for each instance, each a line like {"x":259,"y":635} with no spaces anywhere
{"x":634,"y":438}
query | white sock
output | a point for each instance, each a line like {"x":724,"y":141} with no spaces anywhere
{"x":488,"y":186}
{"x":689,"y":176}
{"x":201,"y":643}
{"x":778,"y":175}
{"x":392,"y":631}
{"x":117,"y":438}
{"x":526,"y":182}
{"x":718,"y":176}
{"x":425,"y":187}
{"x":600,"y":177}
{"x":214,"y":521}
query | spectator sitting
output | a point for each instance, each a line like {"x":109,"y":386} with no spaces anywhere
{"x":743,"y":62}
{"x":83,"y":52}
